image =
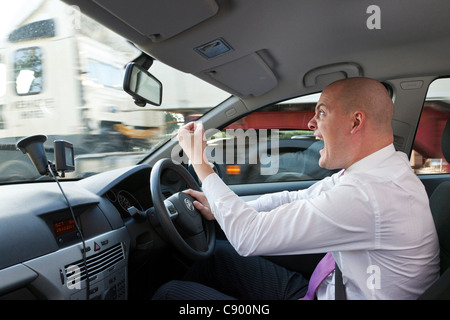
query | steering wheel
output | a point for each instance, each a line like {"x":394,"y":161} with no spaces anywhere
{"x":186,"y":228}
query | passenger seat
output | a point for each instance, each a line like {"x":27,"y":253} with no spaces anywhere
{"x":440,"y":208}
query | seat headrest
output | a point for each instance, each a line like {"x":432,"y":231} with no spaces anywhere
{"x":445,"y":141}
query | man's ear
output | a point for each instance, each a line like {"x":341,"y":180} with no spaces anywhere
{"x":358,"y":121}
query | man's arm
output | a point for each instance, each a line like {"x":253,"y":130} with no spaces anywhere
{"x":191,"y":138}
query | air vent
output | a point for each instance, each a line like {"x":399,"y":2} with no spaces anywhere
{"x":75,"y":272}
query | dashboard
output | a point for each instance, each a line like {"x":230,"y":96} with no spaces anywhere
{"x":51,"y":248}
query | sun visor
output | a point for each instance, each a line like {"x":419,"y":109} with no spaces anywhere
{"x":247,"y":76}
{"x":160,"y":20}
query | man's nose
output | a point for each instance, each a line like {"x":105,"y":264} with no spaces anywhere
{"x":312,"y":124}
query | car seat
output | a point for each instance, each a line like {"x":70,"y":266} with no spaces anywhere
{"x":440,"y":208}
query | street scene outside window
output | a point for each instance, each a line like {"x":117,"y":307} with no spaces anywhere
{"x":61,"y":75}
{"x":272,"y":144}
{"x":427,"y":157}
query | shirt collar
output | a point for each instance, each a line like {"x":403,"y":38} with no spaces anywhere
{"x":372,"y":160}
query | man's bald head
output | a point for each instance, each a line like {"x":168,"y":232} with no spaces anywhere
{"x":367,"y":95}
{"x":354,"y":119}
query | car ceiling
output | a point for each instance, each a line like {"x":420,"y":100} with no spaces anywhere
{"x":284,"y":48}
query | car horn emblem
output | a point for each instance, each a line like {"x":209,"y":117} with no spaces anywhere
{"x":189,"y":204}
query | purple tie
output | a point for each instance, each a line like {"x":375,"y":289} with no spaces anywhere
{"x":323,"y":269}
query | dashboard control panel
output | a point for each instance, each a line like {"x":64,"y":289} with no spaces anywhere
{"x":102,"y":274}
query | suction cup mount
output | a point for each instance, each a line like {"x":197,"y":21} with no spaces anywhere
{"x":34,"y":147}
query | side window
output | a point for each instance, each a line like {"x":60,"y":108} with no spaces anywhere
{"x":269,"y":145}
{"x":426,"y":157}
{"x":28,"y":71}
{"x":2,"y":75}
{"x":2,"y":89}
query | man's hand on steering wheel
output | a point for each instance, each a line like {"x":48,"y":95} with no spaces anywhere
{"x":183,"y":223}
{"x":201,"y":203}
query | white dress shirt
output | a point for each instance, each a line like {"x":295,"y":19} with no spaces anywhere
{"x":375,"y":219}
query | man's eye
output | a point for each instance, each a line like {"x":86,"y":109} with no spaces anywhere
{"x":321,"y":113}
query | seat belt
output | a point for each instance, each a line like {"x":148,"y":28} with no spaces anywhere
{"x":339,"y":289}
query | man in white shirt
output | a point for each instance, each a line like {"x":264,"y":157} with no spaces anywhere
{"x":373,"y":215}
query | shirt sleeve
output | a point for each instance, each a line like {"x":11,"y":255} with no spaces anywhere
{"x":318,"y":219}
{"x":271,"y":201}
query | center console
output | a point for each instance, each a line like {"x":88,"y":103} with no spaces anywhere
{"x":65,"y":274}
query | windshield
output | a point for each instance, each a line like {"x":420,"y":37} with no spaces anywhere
{"x":61,"y":76}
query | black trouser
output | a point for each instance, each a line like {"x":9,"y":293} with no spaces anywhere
{"x":227,"y":275}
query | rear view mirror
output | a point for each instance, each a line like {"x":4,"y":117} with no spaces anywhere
{"x":142,"y":86}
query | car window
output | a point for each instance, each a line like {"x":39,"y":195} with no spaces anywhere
{"x":2,"y":75}
{"x":426,"y":156}
{"x":2,"y":89}
{"x":269,"y":145}
{"x":61,"y":75}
